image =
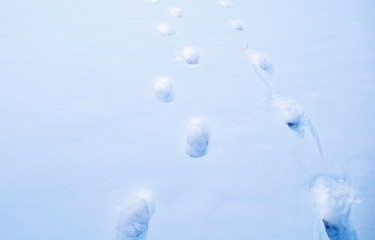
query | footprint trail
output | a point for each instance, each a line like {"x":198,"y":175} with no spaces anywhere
{"x":294,"y":116}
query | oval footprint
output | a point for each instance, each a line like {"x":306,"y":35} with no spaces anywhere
{"x":197,"y":138}
{"x":164,"y":90}
{"x":135,"y":217}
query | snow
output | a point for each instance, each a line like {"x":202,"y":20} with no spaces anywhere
{"x":82,"y":128}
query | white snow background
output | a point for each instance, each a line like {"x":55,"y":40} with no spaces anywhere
{"x":81,"y":130}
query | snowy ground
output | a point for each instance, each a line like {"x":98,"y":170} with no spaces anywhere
{"x":84,"y":126}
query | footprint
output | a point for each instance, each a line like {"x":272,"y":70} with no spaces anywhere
{"x":237,"y":24}
{"x":296,"y":119}
{"x":260,"y":60}
{"x":176,"y":12}
{"x":226,"y":4}
{"x":189,"y":55}
{"x":333,"y":199}
{"x":293,"y":114}
{"x":135,"y":217}
{"x":164,"y":90}
{"x":197,"y":138}
{"x":261,"y":66}
{"x":166,"y":29}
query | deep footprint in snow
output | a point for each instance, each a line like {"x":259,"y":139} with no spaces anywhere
{"x":164,"y":90}
{"x":135,"y":217}
{"x":197,"y":138}
{"x":293,"y":114}
{"x":189,"y":55}
{"x":296,"y":119}
{"x":333,"y":199}
{"x":176,"y":12}
{"x":166,"y":29}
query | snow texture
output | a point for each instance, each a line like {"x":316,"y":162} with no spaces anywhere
{"x":333,"y":199}
{"x":135,"y":217}
{"x":197,"y":138}
{"x":237,"y":24}
{"x":164,"y":89}
{"x":176,"y":12}
{"x":155,"y":1}
{"x":166,"y":30}
{"x":189,"y":55}
{"x":226,"y":4}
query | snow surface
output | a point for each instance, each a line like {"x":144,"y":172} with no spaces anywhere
{"x":81,"y":130}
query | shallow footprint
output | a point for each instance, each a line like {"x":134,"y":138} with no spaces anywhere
{"x":226,"y":4}
{"x":261,"y":66}
{"x":189,"y":55}
{"x":197,"y":138}
{"x":164,"y":90}
{"x":237,"y":24}
{"x":135,"y":217}
{"x":176,"y":12}
{"x":166,"y":30}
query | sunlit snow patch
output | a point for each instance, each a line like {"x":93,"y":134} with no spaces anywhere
{"x":164,"y":90}
{"x":333,"y":199}
{"x":197,"y":139}
{"x":176,"y":12}
{"x":166,"y":29}
{"x":135,"y":217}
{"x":226,"y":4}
{"x":189,"y":55}
{"x":237,"y":24}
